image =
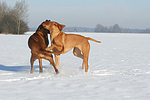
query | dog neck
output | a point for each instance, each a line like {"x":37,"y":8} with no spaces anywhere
{"x":44,"y":37}
{"x":54,"y":33}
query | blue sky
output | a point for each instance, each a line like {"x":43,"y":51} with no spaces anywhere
{"x":89,"y":13}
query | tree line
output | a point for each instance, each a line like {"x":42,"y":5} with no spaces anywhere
{"x":117,"y":29}
{"x":14,"y":20}
{"x":114,"y":29}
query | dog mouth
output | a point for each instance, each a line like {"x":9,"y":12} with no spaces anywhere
{"x":49,"y":32}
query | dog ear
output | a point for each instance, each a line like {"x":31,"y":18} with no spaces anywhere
{"x":47,"y":20}
{"x":39,"y":28}
{"x":61,"y":27}
{"x":42,"y":29}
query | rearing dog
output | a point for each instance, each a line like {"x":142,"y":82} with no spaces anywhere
{"x":38,"y":42}
{"x":62,"y":43}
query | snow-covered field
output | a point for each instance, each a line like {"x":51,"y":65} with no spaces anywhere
{"x":119,"y":70}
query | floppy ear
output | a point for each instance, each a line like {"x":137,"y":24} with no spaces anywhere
{"x":47,"y":20}
{"x":42,"y":29}
{"x":39,"y":28}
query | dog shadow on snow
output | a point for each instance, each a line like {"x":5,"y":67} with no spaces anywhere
{"x":18,"y":68}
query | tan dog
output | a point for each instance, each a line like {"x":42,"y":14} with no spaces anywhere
{"x":38,"y":42}
{"x":62,"y":43}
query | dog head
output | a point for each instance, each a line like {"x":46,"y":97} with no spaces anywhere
{"x":52,"y":25}
{"x":60,"y":26}
{"x":42,"y":29}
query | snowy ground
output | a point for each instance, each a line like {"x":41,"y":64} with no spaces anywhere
{"x":119,"y":70}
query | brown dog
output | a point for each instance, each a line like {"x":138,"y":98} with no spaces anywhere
{"x":62,"y":43}
{"x":38,"y":42}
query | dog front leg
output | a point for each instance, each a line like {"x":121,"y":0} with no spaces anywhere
{"x":49,"y":48}
{"x":57,"y":57}
{"x":59,"y":47}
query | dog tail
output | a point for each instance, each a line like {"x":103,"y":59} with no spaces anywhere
{"x":93,"y":39}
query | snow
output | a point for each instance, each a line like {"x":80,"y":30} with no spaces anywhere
{"x":119,"y":70}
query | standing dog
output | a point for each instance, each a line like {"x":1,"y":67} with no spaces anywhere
{"x":38,"y":42}
{"x":62,"y":43}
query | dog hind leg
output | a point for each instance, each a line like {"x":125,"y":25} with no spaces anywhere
{"x":77,"y":52}
{"x":86,"y":50}
{"x":32,"y":59}
{"x":86,"y":64}
{"x":52,"y":62}
{"x":40,"y":65}
{"x":85,"y":61}
{"x":50,"y":59}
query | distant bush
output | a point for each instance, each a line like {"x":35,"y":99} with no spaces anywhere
{"x":112,"y":29}
{"x":117,"y":29}
{"x":13,"y":20}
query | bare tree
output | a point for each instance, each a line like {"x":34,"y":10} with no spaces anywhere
{"x":116,"y":28}
{"x":4,"y":9}
{"x":20,"y":13}
{"x":99,"y":28}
